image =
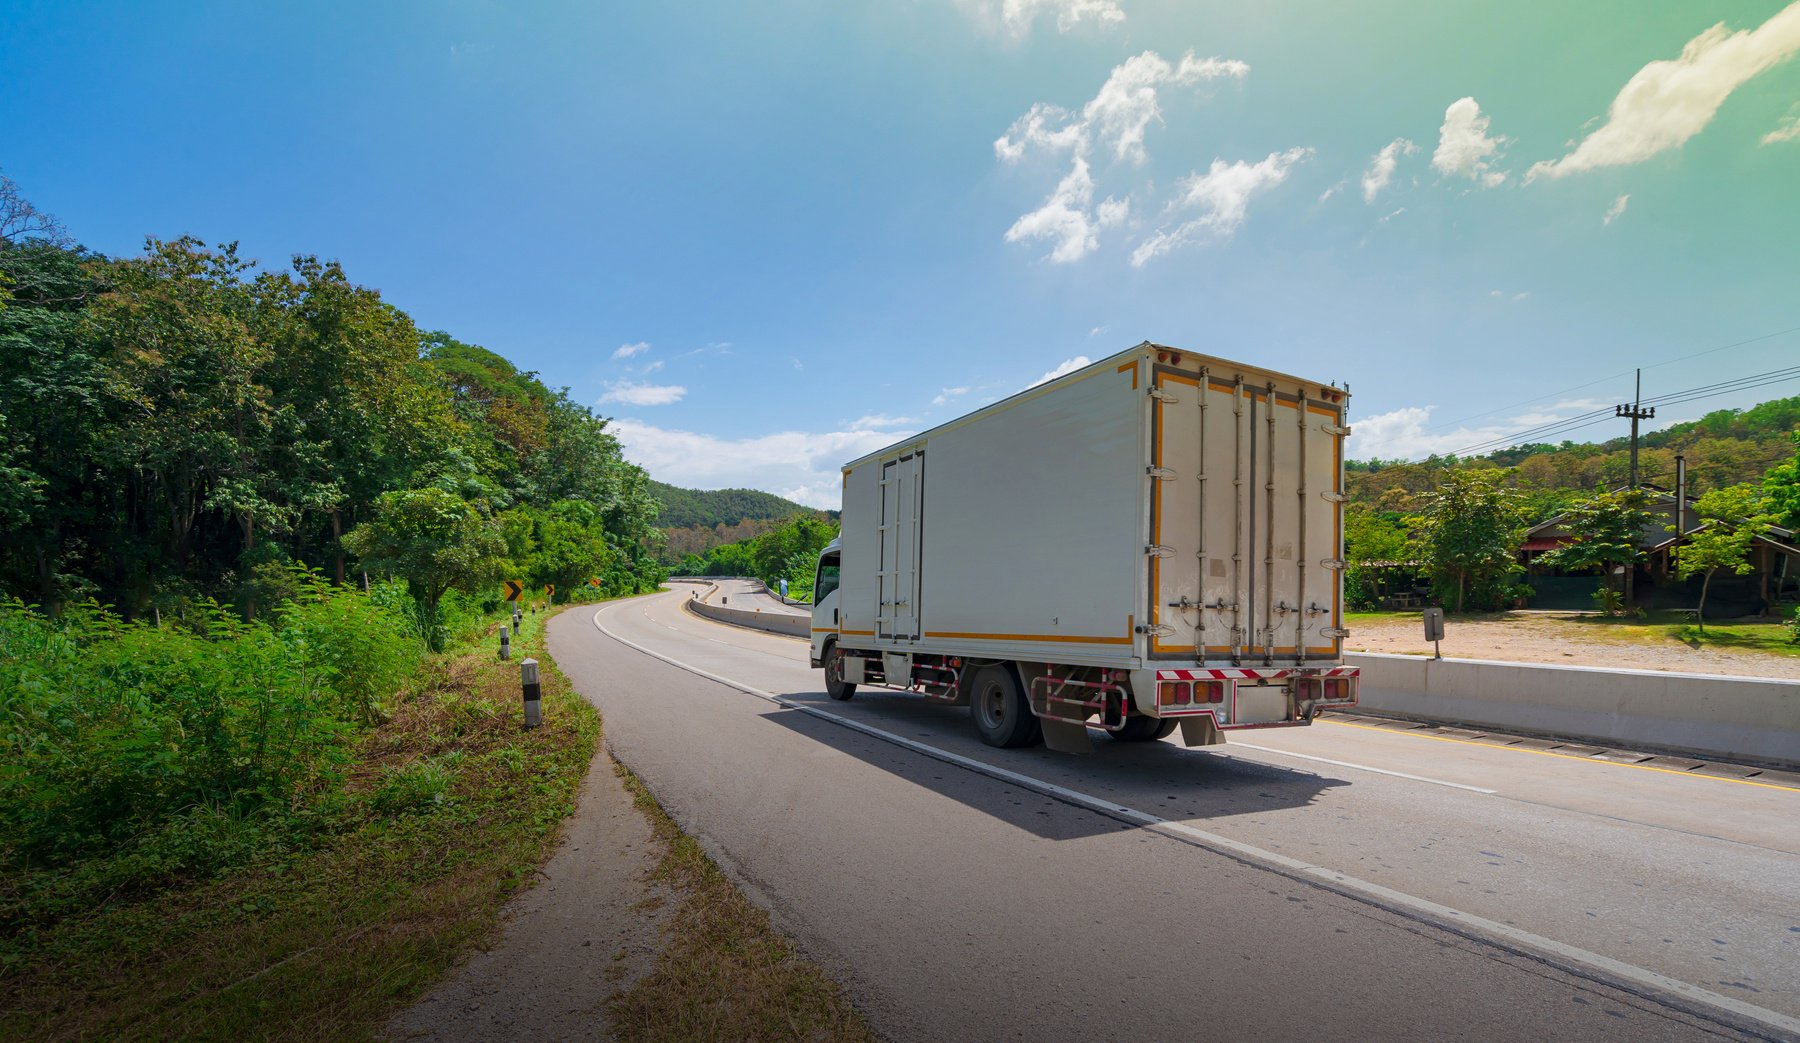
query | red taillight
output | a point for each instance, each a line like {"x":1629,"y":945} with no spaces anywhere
{"x":1338,"y":688}
{"x":1215,"y":692}
{"x":1173,"y":693}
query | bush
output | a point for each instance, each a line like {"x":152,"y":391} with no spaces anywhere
{"x":1794,"y":626}
{"x":115,"y":730}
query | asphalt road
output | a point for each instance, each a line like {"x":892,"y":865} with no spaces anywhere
{"x":1332,"y":882}
{"x":745,"y":593}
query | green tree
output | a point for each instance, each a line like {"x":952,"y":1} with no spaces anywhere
{"x":1467,"y":536}
{"x":1730,"y":519}
{"x":1607,"y":530}
{"x":1782,"y":487}
{"x":1371,"y":536}
{"x":434,"y":540}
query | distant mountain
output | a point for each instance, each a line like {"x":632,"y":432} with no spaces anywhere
{"x":707,"y":508}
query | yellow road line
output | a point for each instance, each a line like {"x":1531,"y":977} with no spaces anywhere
{"x":1565,"y":756}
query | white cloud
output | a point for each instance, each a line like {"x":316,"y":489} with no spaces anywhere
{"x":1116,"y":119}
{"x":1222,"y":196}
{"x":1390,"y":216}
{"x":1786,"y":130}
{"x":653,"y":367}
{"x":633,"y":394}
{"x":1068,"y":366}
{"x":947,"y":394}
{"x":626,"y":351}
{"x":1381,"y":168}
{"x":1617,"y":208}
{"x":880,"y":420}
{"x":1406,"y":434}
{"x":1127,"y":102}
{"x":1668,"y":102}
{"x":1096,"y":331}
{"x":1068,"y":219}
{"x":1464,"y":147}
{"x":1502,"y":295}
{"x":1016,"y":17}
{"x":802,"y":466}
{"x":1332,"y":191}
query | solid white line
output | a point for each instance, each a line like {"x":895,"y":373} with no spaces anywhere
{"x":1567,"y":957}
{"x":1358,"y":767}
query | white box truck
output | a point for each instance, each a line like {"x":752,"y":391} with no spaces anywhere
{"x":1150,"y":542}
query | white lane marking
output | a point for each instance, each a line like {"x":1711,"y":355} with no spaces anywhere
{"x":1358,"y":767}
{"x":1575,"y":960}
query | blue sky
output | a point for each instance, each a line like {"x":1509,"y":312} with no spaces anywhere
{"x":829,"y":224}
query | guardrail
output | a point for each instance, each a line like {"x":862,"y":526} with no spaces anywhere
{"x":1707,"y":715}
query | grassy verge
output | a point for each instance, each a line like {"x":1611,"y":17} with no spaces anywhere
{"x":447,"y":809}
{"x":725,"y":973}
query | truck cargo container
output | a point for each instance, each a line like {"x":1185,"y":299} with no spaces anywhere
{"x":1152,"y":541}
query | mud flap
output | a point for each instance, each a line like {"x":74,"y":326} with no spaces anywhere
{"x":1200,"y":731}
{"x":1064,"y":737}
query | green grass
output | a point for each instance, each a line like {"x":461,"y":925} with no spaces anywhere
{"x":447,"y":809}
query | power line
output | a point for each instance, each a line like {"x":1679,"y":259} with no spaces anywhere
{"x":1612,"y":376}
{"x":1672,"y":398}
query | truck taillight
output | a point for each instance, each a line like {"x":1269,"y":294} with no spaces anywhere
{"x":1337,"y":688}
{"x":1173,"y":693}
{"x":1209,"y":692}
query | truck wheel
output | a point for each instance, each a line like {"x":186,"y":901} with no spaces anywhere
{"x":835,"y":685}
{"x":1002,"y":714}
{"x":1145,"y":729}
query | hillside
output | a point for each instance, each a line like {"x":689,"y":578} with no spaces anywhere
{"x":1722,"y":448}
{"x":706,"y":508}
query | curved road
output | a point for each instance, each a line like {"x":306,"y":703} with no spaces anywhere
{"x":1334,"y":882}
{"x":748,"y":593}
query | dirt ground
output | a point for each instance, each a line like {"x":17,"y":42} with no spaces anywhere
{"x":1548,"y":637}
{"x":589,"y":930}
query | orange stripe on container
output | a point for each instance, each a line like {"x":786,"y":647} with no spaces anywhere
{"x":1070,"y":639}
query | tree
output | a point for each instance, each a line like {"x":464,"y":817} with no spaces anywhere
{"x":1607,"y":530}
{"x":21,"y":222}
{"x":1371,"y":536}
{"x":1468,"y":536}
{"x":432,"y":539}
{"x":1782,"y":487}
{"x":1730,"y":518}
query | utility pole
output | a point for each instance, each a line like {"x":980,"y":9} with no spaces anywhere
{"x":1636,"y":412}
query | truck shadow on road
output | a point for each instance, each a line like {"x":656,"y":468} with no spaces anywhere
{"x":1160,"y":778}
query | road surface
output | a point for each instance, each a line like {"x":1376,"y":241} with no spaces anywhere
{"x":1335,"y":882}
{"x":747,"y":593}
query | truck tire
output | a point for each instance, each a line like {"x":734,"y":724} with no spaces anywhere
{"x":1002,"y":714}
{"x":835,"y":685}
{"x":1145,"y":729}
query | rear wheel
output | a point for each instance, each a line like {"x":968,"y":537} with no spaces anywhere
{"x":1145,"y":729}
{"x":835,"y":685}
{"x":1002,"y":714}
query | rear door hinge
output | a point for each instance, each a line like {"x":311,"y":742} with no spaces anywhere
{"x":1159,"y":393}
{"x":1161,"y":474}
{"x":1158,"y":550}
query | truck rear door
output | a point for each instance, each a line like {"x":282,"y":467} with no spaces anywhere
{"x":1245,"y":518}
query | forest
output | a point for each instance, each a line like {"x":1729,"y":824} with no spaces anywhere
{"x":185,"y":425}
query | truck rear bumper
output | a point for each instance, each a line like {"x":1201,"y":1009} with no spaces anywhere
{"x":1247,"y":697}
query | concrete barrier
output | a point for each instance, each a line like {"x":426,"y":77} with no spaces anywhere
{"x":1708,"y":715}
{"x":774,"y":622}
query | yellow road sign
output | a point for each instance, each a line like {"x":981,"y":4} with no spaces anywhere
{"x":513,"y":588}
{"x":594,"y":581}
{"x":549,"y":590}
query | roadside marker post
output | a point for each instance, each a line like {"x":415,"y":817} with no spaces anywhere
{"x":505,"y":644}
{"x":1434,"y":630}
{"x":528,"y":683}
